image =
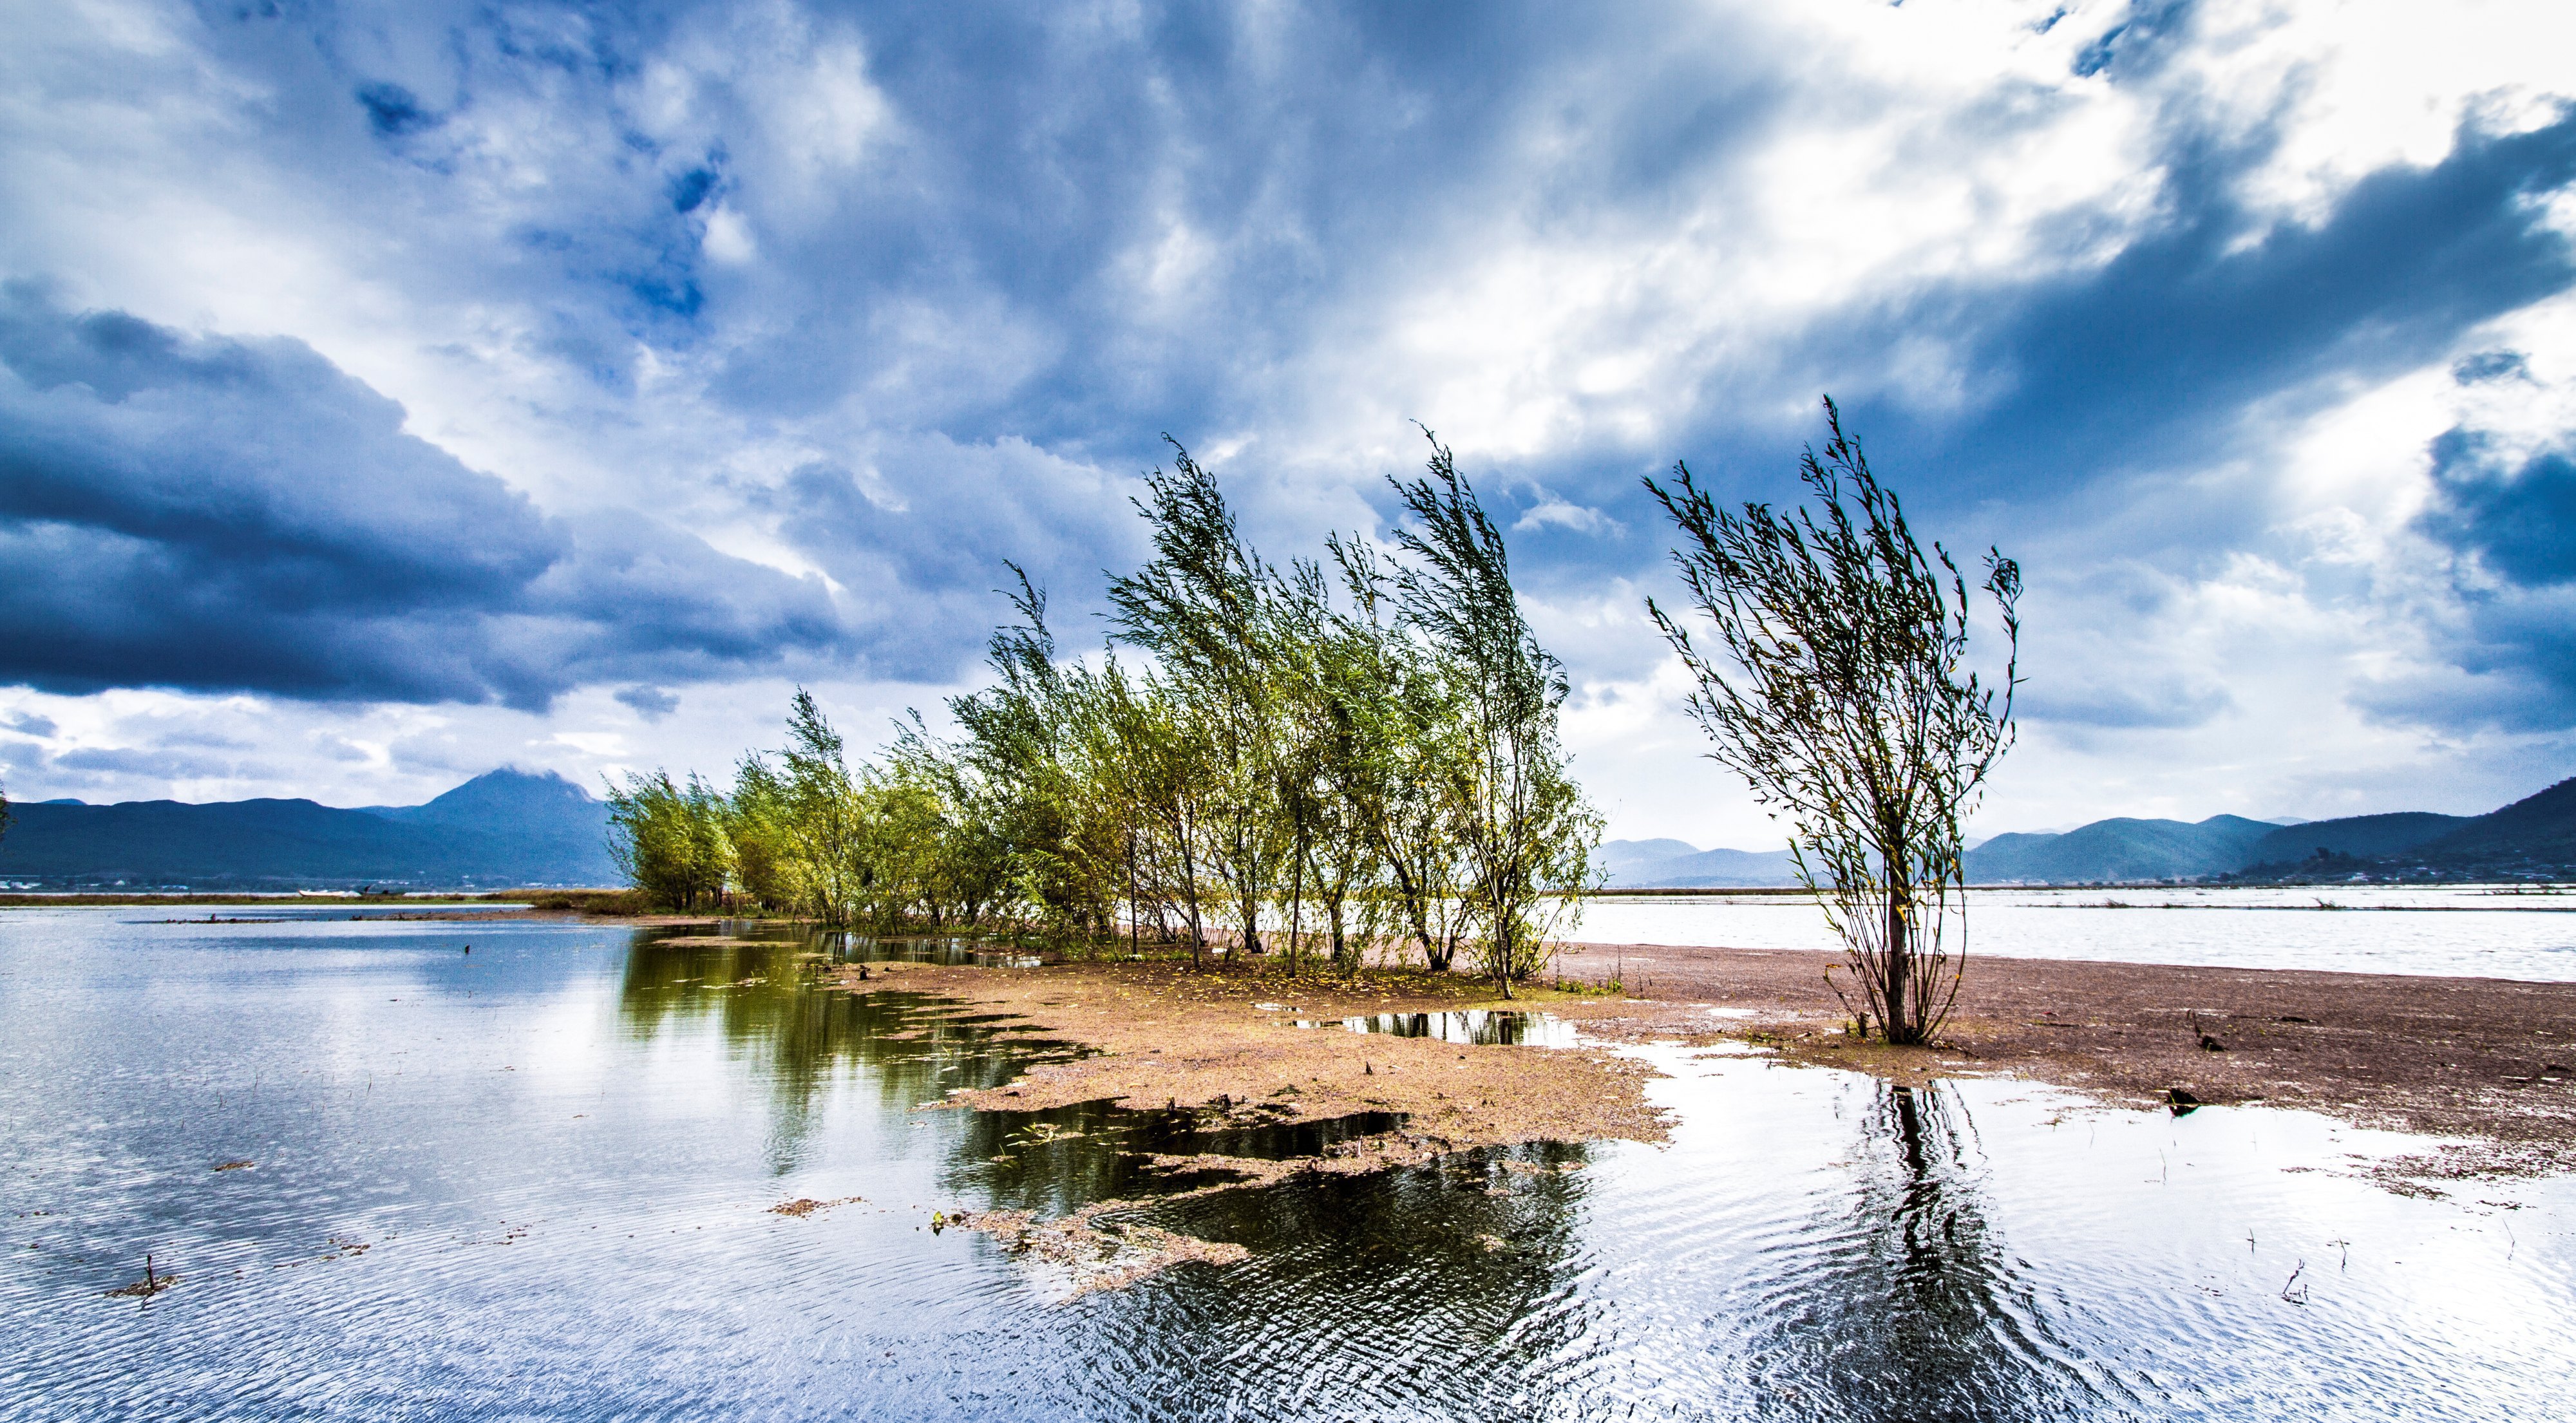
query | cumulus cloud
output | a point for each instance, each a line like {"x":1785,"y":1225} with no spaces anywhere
{"x":632,"y":352}
{"x":216,"y":513}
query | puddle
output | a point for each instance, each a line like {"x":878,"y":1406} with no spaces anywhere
{"x":1479,"y":1026}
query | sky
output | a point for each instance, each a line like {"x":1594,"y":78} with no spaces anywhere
{"x":389,"y":392}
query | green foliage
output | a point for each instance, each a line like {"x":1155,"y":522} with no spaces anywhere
{"x":1339,"y":756}
{"x":1526,"y":832}
{"x":1835,"y":691}
{"x":670,"y":839}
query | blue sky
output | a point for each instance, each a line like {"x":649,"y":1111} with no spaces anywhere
{"x":388,"y":392}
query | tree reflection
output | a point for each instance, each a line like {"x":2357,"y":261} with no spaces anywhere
{"x":760,"y":994}
{"x":1908,"y":1304}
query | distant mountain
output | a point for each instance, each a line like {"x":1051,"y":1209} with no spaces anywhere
{"x":2364,"y":836}
{"x":2119,"y":850}
{"x":1676,"y":864}
{"x":503,"y":828}
{"x":2533,"y":838}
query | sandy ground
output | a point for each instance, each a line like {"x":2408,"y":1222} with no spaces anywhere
{"x":1168,"y":1035}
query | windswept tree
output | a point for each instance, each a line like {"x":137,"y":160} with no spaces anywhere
{"x":1405,"y":765}
{"x":1836,"y":686}
{"x":825,"y":822}
{"x":1200,"y":606}
{"x":1526,"y":832}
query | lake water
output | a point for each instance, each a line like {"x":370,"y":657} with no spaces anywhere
{"x":2467,"y":931}
{"x":537,"y":1180}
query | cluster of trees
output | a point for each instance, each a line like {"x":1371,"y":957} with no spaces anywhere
{"x":1351,"y":752}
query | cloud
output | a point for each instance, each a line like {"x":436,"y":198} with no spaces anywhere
{"x":918,"y":535}
{"x":637,"y":351}
{"x":650,"y":703}
{"x":213,"y":513}
{"x":2156,"y":358}
{"x":2506,"y":519}
{"x":1554,"y":511}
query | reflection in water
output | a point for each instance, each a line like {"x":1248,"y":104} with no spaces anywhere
{"x":1904,"y":1304}
{"x":539,"y":1181}
{"x":761,"y":995}
{"x":1478,"y":1026}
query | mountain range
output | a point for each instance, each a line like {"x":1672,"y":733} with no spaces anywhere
{"x":510,"y":828}
{"x":2533,"y":838}
{"x":506,"y":828}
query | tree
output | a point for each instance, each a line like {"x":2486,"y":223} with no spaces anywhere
{"x":1151,"y":756}
{"x":1201,"y":608}
{"x":1027,"y":783}
{"x":1835,"y":689}
{"x":1525,"y":828}
{"x":822,"y":812}
{"x":670,"y":839}
{"x":767,"y":867}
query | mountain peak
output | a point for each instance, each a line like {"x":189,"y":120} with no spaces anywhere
{"x":507,"y":793}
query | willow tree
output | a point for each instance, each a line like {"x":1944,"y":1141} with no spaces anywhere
{"x":1835,"y":688}
{"x":1526,"y":831}
{"x":1019,"y":745}
{"x":669,"y":839}
{"x":1201,"y":607}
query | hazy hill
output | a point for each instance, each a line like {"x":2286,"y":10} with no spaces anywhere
{"x":2362,"y":836}
{"x":2533,"y":838}
{"x":507,"y":827}
{"x":2537,"y":830}
{"x":2121,"y":849}
{"x":1676,"y":864}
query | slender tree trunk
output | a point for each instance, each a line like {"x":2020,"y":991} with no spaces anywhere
{"x":1900,"y":1027}
{"x":1190,"y":901}
{"x":1297,"y":908}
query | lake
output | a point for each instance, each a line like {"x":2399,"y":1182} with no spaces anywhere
{"x":2465,"y":931}
{"x":538,"y":1180}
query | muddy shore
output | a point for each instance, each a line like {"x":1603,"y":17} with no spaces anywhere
{"x":2484,"y":1059}
{"x":1167,"y":1035}
{"x":2484,"y":1062}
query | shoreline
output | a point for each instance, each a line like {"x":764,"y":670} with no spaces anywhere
{"x":2488,"y":1063}
{"x":2479,"y":1068}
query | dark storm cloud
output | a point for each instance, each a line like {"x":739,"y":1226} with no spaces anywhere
{"x":221,"y":514}
{"x":650,"y":703}
{"x":2149,"y":362}
{"x":2508,"y":520}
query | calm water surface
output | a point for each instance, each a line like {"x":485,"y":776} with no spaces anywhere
{"x":535,"y":1181}
{"x":2469,"y":931}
